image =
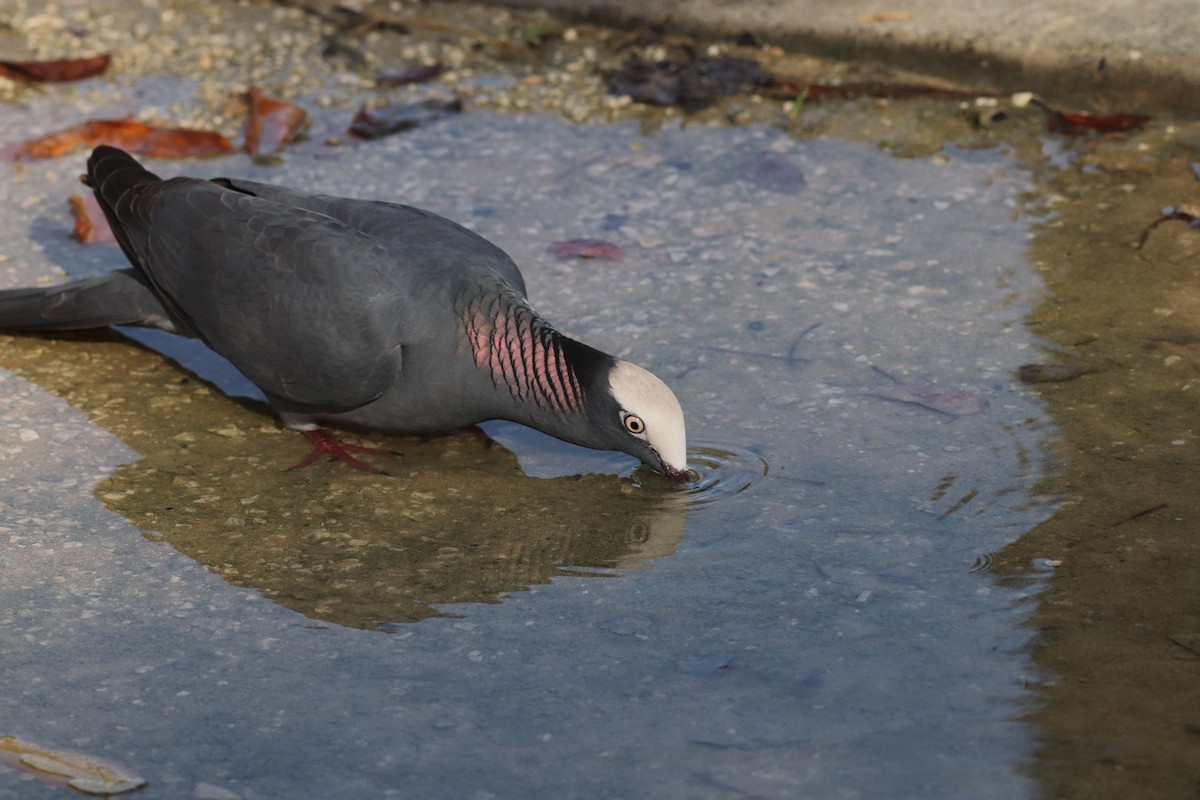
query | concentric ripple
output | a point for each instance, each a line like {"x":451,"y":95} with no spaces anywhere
{"x":722,"y":471}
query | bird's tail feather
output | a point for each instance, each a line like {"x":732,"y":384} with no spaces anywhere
{"x":125,"y":192}
{"x":117,"y":298}
{"x":121,"y":185}
{"x":113,"y":172}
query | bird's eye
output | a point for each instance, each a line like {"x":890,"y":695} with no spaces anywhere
{"x":634,"y":424}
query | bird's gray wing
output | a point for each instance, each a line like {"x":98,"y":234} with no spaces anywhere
{"x":396,"y":225}
{"x":308,"y":308}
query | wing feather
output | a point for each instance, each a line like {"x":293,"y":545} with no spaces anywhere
{"x":299,"y":302}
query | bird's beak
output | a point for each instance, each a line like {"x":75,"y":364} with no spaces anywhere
{"x":675,"y":475}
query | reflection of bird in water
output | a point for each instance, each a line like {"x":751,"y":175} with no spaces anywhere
{"x":367,"y":314}
{"x":459,"y":524}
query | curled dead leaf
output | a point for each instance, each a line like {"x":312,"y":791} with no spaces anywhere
{"x":55,"y":71}
{"x":91,"y":227}
{"x":272,"y":123}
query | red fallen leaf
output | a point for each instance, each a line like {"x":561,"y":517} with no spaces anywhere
{"x":57,"y":71}
{"x":272,"y":123}
{"x":135,"y":137}
{"x":91,"y":227}
{"x":586,"y":248}
{"x":1085,"y":124}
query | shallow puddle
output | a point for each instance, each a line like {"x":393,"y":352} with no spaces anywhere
{"x":809,"y":603}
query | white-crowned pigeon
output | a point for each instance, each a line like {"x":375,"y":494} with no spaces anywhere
{"x":367,"y":314}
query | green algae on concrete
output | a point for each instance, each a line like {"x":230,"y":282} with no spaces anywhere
{"x":1118,"y":625}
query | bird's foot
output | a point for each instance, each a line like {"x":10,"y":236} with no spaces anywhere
{"x":326,"y":444}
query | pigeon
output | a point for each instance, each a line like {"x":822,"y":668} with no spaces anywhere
{"x":366,"y":314}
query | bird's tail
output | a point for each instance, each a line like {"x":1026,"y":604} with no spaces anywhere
{"x":119,"y":183}
{"x":113,"y":172}
{"x":117,"y":298}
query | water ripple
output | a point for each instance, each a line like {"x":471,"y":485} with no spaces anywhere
{"x":722,"y":471}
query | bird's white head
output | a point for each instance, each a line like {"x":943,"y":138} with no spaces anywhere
{"x":651,"y":417}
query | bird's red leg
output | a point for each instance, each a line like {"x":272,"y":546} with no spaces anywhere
{"x":325,"y":443}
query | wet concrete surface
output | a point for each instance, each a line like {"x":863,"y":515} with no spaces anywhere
{"x":844,"y":607}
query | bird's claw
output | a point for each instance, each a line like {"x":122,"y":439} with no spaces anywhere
{"x":326,"y":444}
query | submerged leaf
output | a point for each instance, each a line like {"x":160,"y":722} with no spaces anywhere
{"x":586,"y":248}
{"x":91,"y":227}
{"x":82,"y":772}
{"x":56,"y":71}
{"x":136,"y":137}
{"x":955,"y":402}
{"x":774,"y":174}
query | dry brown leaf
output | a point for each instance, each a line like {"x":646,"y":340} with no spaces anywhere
{"x":272,"y":123}
{"x":56,"y":71}
{"x":136,"y":137}
{"x":91,"y":227}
